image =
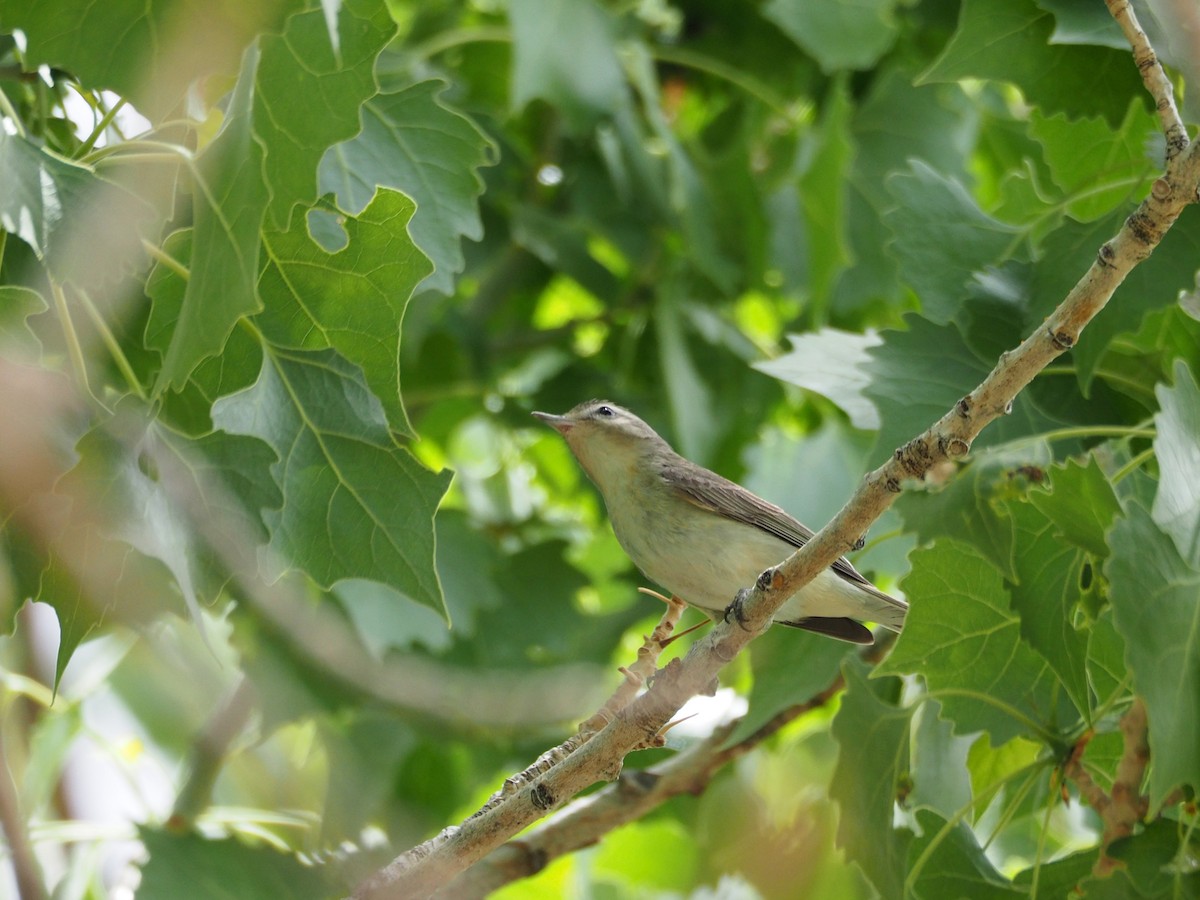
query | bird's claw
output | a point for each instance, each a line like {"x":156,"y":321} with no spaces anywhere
{"x":736,"y":609}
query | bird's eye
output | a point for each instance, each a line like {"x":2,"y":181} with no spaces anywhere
{"x":604,"y":411}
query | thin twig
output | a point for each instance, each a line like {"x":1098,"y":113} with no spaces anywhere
{"x":30,"y":885}
{"x":210,"y":751}
{"x":1153,"y":76}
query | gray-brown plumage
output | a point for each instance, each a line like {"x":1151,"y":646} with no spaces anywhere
{"x":701,"y":536}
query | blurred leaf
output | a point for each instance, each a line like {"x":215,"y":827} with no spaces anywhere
{"x":1080,"y":23}
{"x":188,"y":865}
{"x":230,"y":201}
{"x":1008,"y":40}
{"x":940,"y":237}
{"x":872,"y":732}
{"x":1156,"y":861}
{"x":365,"y":754}
{"x":355,"y":505}
{"x":839,"y":35}
{"x":466,"y":565}
{"x":956,"y":865}
{"x":963,"y":638}
{"x":688,"y":393}
{"x":822,"y":189}
{"x":941,"y":780}
{"x":1177,"y":448}
{"x":790,"y":667}
{"x":564,"y":53}
{"x":1153,"y":594}
{"x":351,"y":301}
{"x":833,"y":364}
{"x":16,"y":305}
{"x":412,"y":142}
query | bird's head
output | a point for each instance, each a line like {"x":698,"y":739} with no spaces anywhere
{"x":607,"y":439}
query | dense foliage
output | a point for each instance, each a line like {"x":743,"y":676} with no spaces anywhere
{"x":267,"y":357}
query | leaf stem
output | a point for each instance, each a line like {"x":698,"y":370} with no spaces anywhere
{"x":1132,"y":465}
{"x":111,"y":343}
{"x":74,"y":348}
{"x":161,"y":257}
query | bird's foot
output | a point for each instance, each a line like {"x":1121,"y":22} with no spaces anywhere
{"x":736,"y":610}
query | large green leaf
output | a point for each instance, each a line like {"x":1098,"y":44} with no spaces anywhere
{"x":1177,"y":447}
{"x":412,"y":142}
{"x":1081,"y":503}
{"x":1095,"y":166}
{"x":872,"y":733}
{"x":16,"y":305}
{"x":940,"y":238}
{"x":351,"y":301}
{"x":1008,"y":40}
{"x":355,"y":505}
{"x":833,"y":364}
{"x":565,"y":53}
{"x":308,"y":90}
{"x":230,"y":200}
{"x":1045,"y":593}
{"x":1069,"y":251}
{"x":964,"y":639}
{"x":954,"y":864}
{"x":1154,"y":596}
{"x":838,"y":35}
{"x":189,"y":865}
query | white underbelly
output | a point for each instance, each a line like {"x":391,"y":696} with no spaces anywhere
{"x":712,"y":560}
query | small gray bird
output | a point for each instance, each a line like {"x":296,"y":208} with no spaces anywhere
{"x":701,"y":536}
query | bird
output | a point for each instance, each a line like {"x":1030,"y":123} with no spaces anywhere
{"x":703,"y":537}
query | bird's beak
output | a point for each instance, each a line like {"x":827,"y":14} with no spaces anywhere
{"x":561,"y":424}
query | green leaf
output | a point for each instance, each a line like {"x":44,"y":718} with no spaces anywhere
{"x":189,"y":408}
{"x":354,"y":504}
{"x":188,"y":865}
{"x":963,"y":638}
{"x":838,"y":35}
{"x":1081,"y":503}
{"x":351,"y":301}
{"x":1008,"y":40}
{"x":967,"y":508}
{"x":1177,"y":447}
{"x":466,"y":564}
{"x":686,"y":389}
{"x":564,"y":52}
{"x":16,"y":305}
{"x":1106,"y":658}
{"x":790,"y":667}
{"x":919,"y":374}
{"x":822,"y":189}
{"x":308,"y":90}
{"x":1152,"y":285}
{"x":956,"y":865}
{"x":872,"y":734}
{"x":230,"y":200}
{"x":150,"y":51}
{"x":941,"y":780}
{"x":1156,"y":861}
{"x":41,"y":191}
{"x":1045,"y":593}
{"x":833,"y":364}
{"x":940,"y":237}
{"x":1083,"y":23}
{"x":1096,"y":166}
{"x":1153,"y":592}
{"x":412,"y":142}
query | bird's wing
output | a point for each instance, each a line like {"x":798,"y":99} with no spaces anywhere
{"x":718,"y":495}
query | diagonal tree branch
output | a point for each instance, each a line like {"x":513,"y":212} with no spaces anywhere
{"x":424,"y":869}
